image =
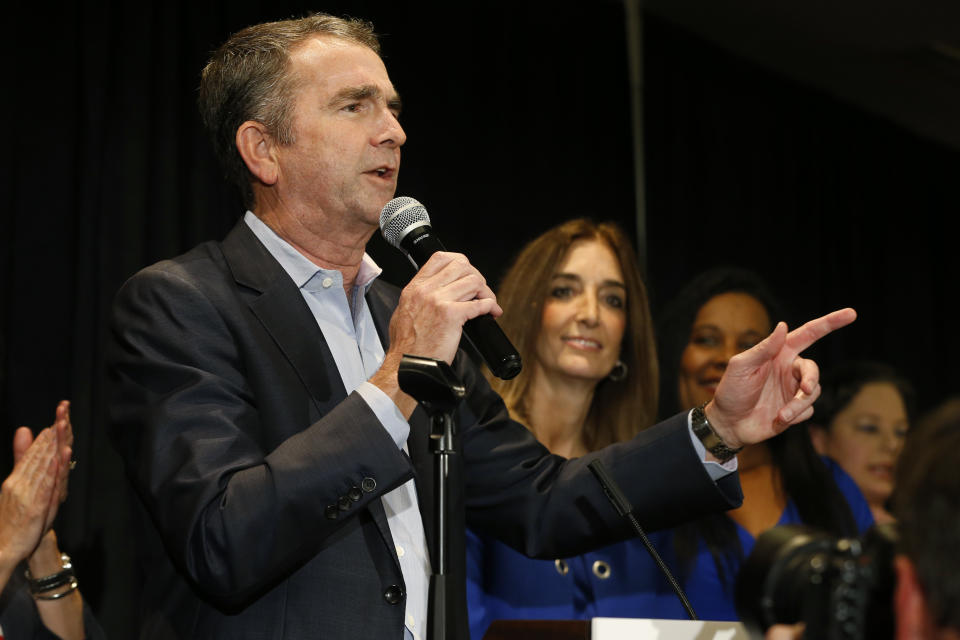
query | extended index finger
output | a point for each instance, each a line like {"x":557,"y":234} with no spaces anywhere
{"x":802,"y":337}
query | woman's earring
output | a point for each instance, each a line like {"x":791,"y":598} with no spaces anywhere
{"x":619,"y":371}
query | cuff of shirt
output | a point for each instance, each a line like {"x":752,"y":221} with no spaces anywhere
{"x":387,"y":412}
{"x":715,"y":469}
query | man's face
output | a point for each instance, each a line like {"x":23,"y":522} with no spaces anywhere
{"x":346,"y":151}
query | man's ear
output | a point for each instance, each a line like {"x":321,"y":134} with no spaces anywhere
{"x":909,"y":605}
{"x":256,"y":147}
{"x":818,"y":436}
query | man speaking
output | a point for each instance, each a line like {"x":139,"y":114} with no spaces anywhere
{"x":284,"y":476}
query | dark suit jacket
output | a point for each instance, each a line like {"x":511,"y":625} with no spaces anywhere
{"x":242,"y":445}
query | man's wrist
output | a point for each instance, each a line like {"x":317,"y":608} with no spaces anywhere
{"x":385,"y":379}
{"x":715,"y":439}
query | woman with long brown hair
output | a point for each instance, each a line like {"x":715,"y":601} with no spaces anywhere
{"x":577,"y":311}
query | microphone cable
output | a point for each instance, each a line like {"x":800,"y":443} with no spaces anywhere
{"x":625,"y":509}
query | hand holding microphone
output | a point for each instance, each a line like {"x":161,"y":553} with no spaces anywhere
{"x":405,"y":225}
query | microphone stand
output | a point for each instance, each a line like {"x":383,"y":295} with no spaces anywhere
{"x":438,"y":389}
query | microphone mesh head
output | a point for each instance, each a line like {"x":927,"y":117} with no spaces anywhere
{"x":399,"y":216}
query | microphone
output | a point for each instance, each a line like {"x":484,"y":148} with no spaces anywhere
{"x":622,"y":504}
{"x":405,"y":224}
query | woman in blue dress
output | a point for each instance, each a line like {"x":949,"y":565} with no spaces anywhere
{"x":784,"y":481}
{"x":577,"y":311}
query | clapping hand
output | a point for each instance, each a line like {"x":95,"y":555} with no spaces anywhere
{"x":35,"y":488}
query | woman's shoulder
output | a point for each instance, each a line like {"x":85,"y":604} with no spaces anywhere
{"x":851,"y":493}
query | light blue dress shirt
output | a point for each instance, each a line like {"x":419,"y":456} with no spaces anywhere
{"x":356,"y":348}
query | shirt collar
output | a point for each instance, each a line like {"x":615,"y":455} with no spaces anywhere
{"x":298,"y":266}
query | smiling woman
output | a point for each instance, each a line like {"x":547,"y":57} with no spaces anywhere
{"x":581,"y":326}
{"x":719,"y":314}
{"x":727,"y":324}
{"x":575,"y":307}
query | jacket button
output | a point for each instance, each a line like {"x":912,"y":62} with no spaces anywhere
{"x":355,"y":494}
{"x":331,"y":512}
{"x":601,"y":569}
{"x":393,"y":594}
{"x":344,"y":503}
{"x":368,"y":484}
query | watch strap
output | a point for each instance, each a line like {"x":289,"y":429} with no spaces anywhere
{"x":712,"y":442}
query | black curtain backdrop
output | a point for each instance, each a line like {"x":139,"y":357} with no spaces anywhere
{"x":517,"y":116}
{"x":835,"y":208}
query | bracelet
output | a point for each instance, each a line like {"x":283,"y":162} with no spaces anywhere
{"x":57,"y":596}
{"x":711,"y":440}
{"x":53,"y":581}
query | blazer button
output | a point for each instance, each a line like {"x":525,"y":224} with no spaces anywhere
{"x":393,"y":594}
{"x":368,"y":484}
{"x":331,"y":512}
{"x":355,"y":494}
{"x":601,"y":569}
{"x":344,"y":503}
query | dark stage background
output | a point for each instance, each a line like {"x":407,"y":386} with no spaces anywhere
{"x":518,"y":117}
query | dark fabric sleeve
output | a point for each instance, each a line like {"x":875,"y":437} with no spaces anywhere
{"x":546,"y":506}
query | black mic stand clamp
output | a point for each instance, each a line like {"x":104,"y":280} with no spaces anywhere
{"x":438,"y":389}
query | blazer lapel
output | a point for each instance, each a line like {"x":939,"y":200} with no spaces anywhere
{"x":280,"y":307}
{"x":285,"y":316}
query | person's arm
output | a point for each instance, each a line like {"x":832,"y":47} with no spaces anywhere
{"x":61,"y":608}
{"x":520,"y":495}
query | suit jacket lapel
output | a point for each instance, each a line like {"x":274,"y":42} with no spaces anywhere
{"x":281,"y":309}
{"x":285,"y":316}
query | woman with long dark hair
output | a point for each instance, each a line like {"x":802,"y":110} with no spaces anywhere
{"x":717,"y":315}
{"x":860,"y":421}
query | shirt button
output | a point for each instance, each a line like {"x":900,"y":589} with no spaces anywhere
{"x":409,"y":620}
{"x":400,"y":551}
{"x":393,"y":594}
{"x":327,"y":282}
